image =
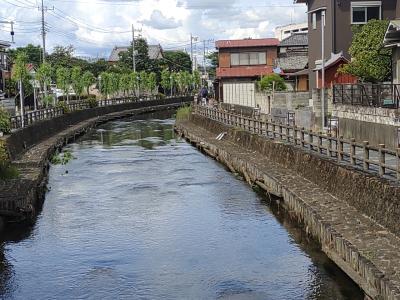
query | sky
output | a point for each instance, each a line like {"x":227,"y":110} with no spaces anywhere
{"x":94,"y":27}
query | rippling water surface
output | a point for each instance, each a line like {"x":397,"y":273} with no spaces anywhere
{"x":140,"y":214}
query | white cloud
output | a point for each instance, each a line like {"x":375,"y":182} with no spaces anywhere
{"x":95,"y":26}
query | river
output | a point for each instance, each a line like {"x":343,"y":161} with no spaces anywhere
{"x":141,"y":214}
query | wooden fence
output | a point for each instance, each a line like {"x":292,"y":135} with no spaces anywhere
{"x":379,"y":160}
{"x":49,"y":113}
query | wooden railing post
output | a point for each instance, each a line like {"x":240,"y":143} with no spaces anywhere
{"x":353,"y":159}
{"x":329,"y":148}
{"x":382,"y":159}
{"x":310,"y":139}
{"x":398,"y":163}
{"x":340,"y":149}
{"x":302,"y":137}
{"x":320,"y":142}
{"x":366,"y":156}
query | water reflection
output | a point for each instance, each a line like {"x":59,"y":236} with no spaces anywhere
{"x":143,"y":215}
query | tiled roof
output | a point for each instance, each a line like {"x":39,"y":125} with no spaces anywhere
{"x":155,"y":52}
{"x":334,"y":59}
{"x":114,"y":56}
{"x":247,"y":43}
{"x":292,"y":63}
{"x":244,"y":71}
{"x":296,"y":39}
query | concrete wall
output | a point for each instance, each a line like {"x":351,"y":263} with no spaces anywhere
{"x":376,"y":125}
{"x":290,"y":100}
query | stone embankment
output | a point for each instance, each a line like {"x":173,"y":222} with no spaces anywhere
{"x":350,"y":213}
{"x":31,"y":148}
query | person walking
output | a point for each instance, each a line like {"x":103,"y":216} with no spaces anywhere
{"x":204,"y":95}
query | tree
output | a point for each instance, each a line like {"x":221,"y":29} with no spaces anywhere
{"x":124,"y":83}
{"x":266,"y":84}
{"x":97,"y":67}
{"x":177,"y":61}
{"x":64,"y":80}
{"x":21,"y":75}
{"x":370,"y":61}
{"x":133,"y":82}
{"x":196,"y":79}
{"x":166,"y":80}
{"x":76,"y":81}
{"x":87,"y":80}
{"x":214,"y":62}
{"x":143,"y":62}
{"x":151,"y":82}
{"x":33,"y":54}
{"x":105,"y":84}
{"x":43,"y":75}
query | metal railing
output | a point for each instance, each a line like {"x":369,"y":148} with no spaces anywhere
{"x":379,"y":160}
{"x":49,"y":113}
{"x":374,"y":95}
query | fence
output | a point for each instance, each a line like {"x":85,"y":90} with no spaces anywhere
{"x":49,"y":113}
{"x":375,"y":95}
{"x":379,"y":160}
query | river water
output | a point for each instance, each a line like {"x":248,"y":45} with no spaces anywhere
{"x":141,"y":214}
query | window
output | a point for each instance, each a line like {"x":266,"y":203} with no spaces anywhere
{"x":234,"y":59}
{"x":248,"y":58}
{"x":362,"y":12}
{"x":314,"y":21}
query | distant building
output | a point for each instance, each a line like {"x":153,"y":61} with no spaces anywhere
{"x":155,"y":52}
{"x":292,"y":61}
{"x":341,"y":15}
{"x":4,"y":64}
{"x":241,"y":64}
{"x":283,"y":32}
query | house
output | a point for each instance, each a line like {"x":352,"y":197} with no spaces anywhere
{"x":154,"y":51}
{"x":392,"y":40}
{"x":293,"y":61}
{"x":341,"y":15}
{"x":283,"y":32}
{"x":241,"y":64}
{"x":4,"y":64}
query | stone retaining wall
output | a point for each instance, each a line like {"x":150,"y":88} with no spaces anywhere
{"x":331,"y":201}
{"x":377,"y":198}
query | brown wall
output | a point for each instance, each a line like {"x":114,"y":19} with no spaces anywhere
{"x":302,"y":83}
{"x":225,"y":58}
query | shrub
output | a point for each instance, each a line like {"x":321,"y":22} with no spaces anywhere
{"x":183,"y":113}
{"x":7,"y":171}
{"x":5,"y":124}
{"x":64,"y":107}
{"x":92,"y":102}
{"x":266,"y":83}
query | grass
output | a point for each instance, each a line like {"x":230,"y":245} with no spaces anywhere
{"x":62,"y":158}
{"x":183,"y":113}
{"x":8,"y":172}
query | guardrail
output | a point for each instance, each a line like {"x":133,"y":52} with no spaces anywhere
{"x":49,"y":113}
{"x":384,"y":162}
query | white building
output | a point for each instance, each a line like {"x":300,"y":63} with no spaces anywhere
{"x":285,"y":31}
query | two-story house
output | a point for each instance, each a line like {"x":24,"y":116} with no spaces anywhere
{"x":340,"y":16}
{"x":241,"y":64}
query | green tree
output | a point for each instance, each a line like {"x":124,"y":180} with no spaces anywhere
{"x":97,"y":67}
{"x":143,"y":62}
{"x":87,"y":80}
{"x":177,"y":61}
{"x":266,"y":84}
{"x":214,"y":63}
{"x":21,"y":75}
{"x":43,"y":75}
{"x":134,"y":82}
{"x":76,"y":81}
{"x":115,"y":84}
{"x":166,"y":80}
{"x":151,"y":82}
{"x":64,"y":80}
{"x":33,"y":54}
{"x":196,"y":79}
{"x":105,"y":84}
{"x":124,"y":83}
{"x":370,"y":61}
{"x":142,"y":81}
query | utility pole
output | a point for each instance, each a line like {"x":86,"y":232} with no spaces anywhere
{"x":12,"y":29}
{"x":323,"y":69}
{"x":191,"y":49}
{"x":133,"y":49}
{"x":43,"y":9}
{"x":204,"y":59}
